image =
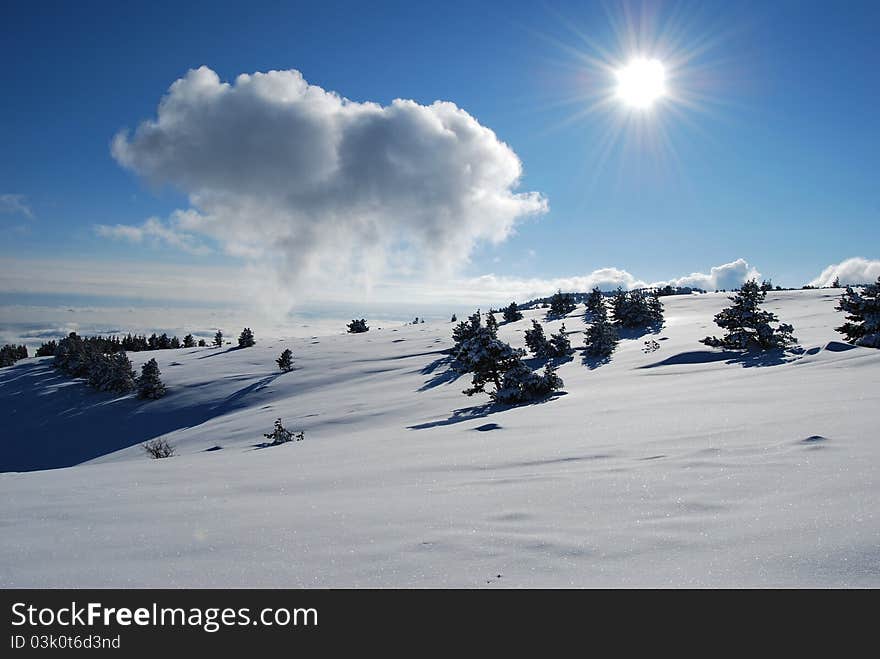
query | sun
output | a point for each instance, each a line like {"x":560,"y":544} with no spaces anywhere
{"x":641,"y":83}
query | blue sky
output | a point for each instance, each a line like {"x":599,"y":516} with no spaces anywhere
{"x":775,"y":161}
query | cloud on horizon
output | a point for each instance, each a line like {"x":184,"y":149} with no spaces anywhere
{"x":222,"y":286}
{"x":321,"y":187}
{"x":855,"y":270}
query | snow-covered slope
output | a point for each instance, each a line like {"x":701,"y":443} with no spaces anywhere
{"x":678,"y":466}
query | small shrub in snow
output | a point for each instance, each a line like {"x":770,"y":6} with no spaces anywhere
{"x":285,"y":361}
{"x":280,"y":435}
{"x":149,"y":384}
{"x":512,"y":313}
{"x":748,"y":326}
{"x":202,"y":343}
{"x":358,"y":326}
{"x":862,"y":310}
{"x":158,"y":448}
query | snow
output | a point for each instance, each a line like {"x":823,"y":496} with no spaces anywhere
{"x":679,"y":466}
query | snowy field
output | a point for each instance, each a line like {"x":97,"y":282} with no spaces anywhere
{"x":681,"y":466}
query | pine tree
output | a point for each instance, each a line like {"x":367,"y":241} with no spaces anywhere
{"x":463,"y":336}
{"x":862,"y":314}
{"x":285,"y":361}
{"x":202,"y":343}
{"x":9,"y":354}
{"x":175,"y":343}
{"x":636,"y":309}
{"x":836,"y":283}
{"x":46,"y":349}
{"x":512,"y":313}
{"x":560,"y":346}
{"x":149,"y":384}
{"x":454,"y":319}
{"x":520,"y":384}
{"x":189,"y":341}
{"x":748,"y":326}
{"x":491,"y":323}
{"x":600,"y":338}
{"x":218,"y":338}
{"x":246,"y":338}
{"x":112,"y":373}
{"x":490,"y":359}
{"x":595,"y":304}
{"x":358,"y":326}
{"x":561,"y":304}
{"x":537,"y":342}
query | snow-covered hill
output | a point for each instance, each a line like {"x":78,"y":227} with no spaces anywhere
{"x":677,"y":466}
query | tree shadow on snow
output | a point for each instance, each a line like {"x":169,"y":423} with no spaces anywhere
{"x":57,"y":421}
{"x":633,"y":333}
{"x":444,"y":376}
{"x":592,"y":361}
{"x":465,"y":414}
{"x":745,"y":359}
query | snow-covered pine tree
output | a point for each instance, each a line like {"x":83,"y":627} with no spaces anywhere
{"x":862,"y":310}
{"x":748,"y":326}
{"x":490,"y":359}
{"x":595,"y":304}
{"x":836,"y":283}
{"x":218,"y":338}
{"x":112,"y":373}
{"x":512,"y":313}
{"x":463,"y":335}
{"x":9,"y":354}
{"x":537,"y":342}
{"x":600,"y":338}
{"x":521,"y":384}
{"x":636,"y":309}
{"x":149,"y":384}
{"x":246,"y":338}
{"x":358,"y":326}
{"x":189,"y":341}
{"x":561,"y":304}
{"x":491,"y":323}
{"x":560,"y":346}
{"x":47,"y":349}
{"x":285,"y":361}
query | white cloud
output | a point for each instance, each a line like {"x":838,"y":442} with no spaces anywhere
{"x":856,"y":270}
{"x":15,"y":204}
{"x":169,"y":233}
{"x":726,"y":276}
{"x":320,"y":186}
